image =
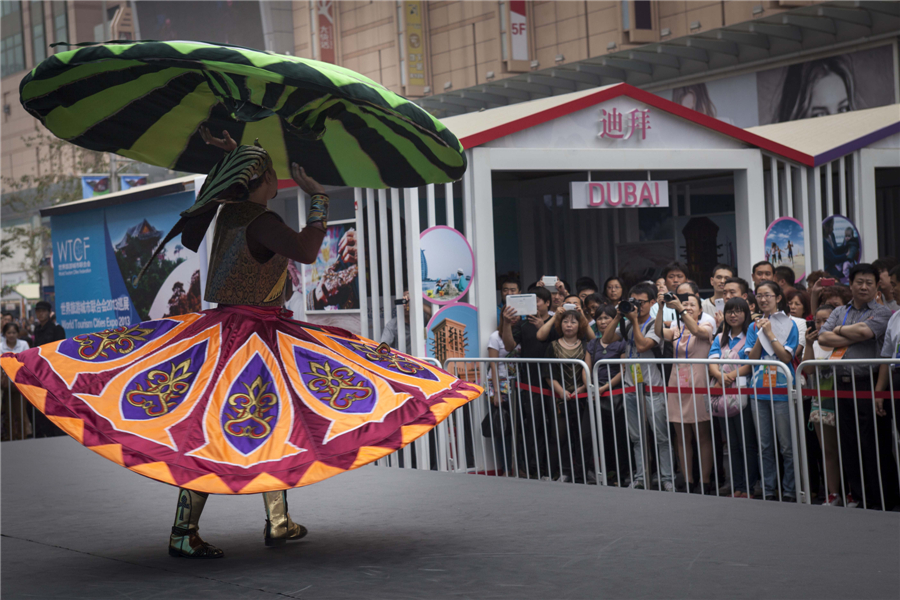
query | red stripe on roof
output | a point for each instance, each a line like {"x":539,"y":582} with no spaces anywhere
{"x":624,"y":89}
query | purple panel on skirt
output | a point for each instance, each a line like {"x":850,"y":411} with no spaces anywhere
{"x":160,"y":389}
{"x":335,"y":385}
{"x":113,"y":344}
{"x":251,"y":410}
{"x":394,"y":361}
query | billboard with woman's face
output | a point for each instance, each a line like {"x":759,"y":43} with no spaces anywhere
{"x":815,"y":88}
{"x":827,"y":86}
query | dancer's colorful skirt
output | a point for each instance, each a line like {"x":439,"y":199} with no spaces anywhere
{"x":235,"y":400}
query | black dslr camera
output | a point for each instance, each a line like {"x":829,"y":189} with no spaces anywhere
{"x":628,"y":306}
{"x":670,"y":297}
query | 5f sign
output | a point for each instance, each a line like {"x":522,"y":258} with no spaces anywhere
{"x":619,"y":194}
{"x":518,"y":26}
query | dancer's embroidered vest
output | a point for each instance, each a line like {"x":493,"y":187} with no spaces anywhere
{"x":235,"y":277}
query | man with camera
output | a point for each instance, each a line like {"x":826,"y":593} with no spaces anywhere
{"x":642,"y":342}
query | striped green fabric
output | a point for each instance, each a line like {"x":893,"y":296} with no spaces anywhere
{"x":147,"y":101}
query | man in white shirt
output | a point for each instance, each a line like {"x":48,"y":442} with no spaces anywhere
{"x":721,"y":274}
{"x":675,"y":273}
{"x":762,"y":271}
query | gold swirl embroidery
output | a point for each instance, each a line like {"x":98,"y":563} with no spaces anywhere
{"x":335,"y":382}
{"x":251,"y":408}
{"x":384,"y":354}
{"x":163,"y":389}
{"x":119,"y":340}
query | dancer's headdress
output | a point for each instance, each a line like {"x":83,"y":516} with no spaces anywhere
{"x":229,"y":181}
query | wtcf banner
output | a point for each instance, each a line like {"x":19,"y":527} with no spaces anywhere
{"x":97,"y":253}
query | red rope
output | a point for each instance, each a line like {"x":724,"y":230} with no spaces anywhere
{"x":751,"y":391}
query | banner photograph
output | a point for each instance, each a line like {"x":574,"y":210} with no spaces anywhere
{"x":97,"y":253}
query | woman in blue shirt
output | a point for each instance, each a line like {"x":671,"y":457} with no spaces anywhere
{"x":738,"y":417}
{"x":772,"y":411}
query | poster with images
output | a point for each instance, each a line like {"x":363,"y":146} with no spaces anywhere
{"x":97,"y":254}
{"x":453,"y":333}
{"x":448,"y":264}
{"x":784,"y":246}
{"x":331,"y":283}
{"x":842,"y":246}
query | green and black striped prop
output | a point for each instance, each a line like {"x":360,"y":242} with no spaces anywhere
{"x":147,"y":101}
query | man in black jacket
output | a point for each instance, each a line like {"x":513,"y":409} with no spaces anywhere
{"x":46,"y":330}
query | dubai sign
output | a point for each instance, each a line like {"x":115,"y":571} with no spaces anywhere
{"x":619,"y":194}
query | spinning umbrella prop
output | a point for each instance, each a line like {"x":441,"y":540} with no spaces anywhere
{"x":147,"y":101}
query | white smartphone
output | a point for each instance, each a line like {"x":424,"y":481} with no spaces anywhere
{"x":568,"y":307}
{"x":549,"y":280}
{"x":720,"y":305}
{"x":523,"y":304}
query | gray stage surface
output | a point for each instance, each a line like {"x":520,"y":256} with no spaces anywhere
{"x":75,"y":525}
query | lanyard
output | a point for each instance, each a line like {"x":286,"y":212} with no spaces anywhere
{"x":631,"y":345}
{"x":847,"y":314}
{"x":686,"y":344}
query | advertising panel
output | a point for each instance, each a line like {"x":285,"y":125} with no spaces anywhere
{"x":815,"y":88}
{"x":325,"y":29}
{"x":448,"y":264}
{"x":415,"y":44}
{"x":94,"y":185}
{"x":784,"y":246}
{"x":97,"y":253}
{"x":842,"y":246}
{"x":331,"y":283}
{"x":126,"y":182}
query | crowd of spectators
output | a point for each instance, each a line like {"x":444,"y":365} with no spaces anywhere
{"x":691,"y":427}
{"x":19,"y":420}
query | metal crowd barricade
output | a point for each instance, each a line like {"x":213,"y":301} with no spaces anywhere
{"x":858,"y":441}
{"x":424,"y":453}
{"x":535,"y":435}
{"x":18,"y":413}
{"x":645,"y":398}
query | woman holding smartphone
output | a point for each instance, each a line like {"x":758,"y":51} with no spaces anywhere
{"x":692,"y":334}
{"x":772,"y":411}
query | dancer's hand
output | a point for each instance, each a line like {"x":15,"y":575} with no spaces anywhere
{"x":306,"y":183}
{"x":225,"y":143}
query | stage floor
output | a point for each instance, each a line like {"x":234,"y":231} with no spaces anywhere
{"x":75,"y":525}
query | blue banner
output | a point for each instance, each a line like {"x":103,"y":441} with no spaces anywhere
{"x":97,"y":253}
{"x":126,"y":182}
{"x":94,"y":185}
